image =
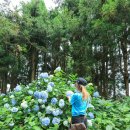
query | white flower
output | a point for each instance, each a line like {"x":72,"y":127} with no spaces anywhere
{"x":30,"y":92}
{"x":24,"y":104}
{"x":65,"y":123}
{"x":89,"y":122}
{"x":46,"y":80}
{"x":11,"y":124}
{"x":90,"y":84}
{"x":49,"y":88}
{"x":50,"y":76}
{"x":32,"y":100}
{"x":39,"y":114}
{"x":43,"y":106}
{"x":49,"y":109}
{"x":57,"y":69}
{"x":7,"y":105}
{"x":61,"y":103}
{"x":12,"y":96}
{"x":40,"y":101}
{"x":72,"y":85}
{"x":69,"y":82}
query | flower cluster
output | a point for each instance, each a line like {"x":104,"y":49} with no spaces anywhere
{"x":55,"y":120}
{"x":18,"y":88}
{"x":45,"y":121}
{"x":54,"y":101}
{"x":24,"y":104}
{"x":61,"y":103}
{"x":91,"y":115}
{"x":43,"y":75}
{"x":96,"y":94}
{"x":41,"y":95}
{"x":69,"y":93}
{"x":14,"y":109}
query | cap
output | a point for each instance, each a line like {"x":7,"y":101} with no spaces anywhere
{"x":81,"y":81}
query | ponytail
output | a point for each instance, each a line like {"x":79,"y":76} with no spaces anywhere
{"x":85,"y":94}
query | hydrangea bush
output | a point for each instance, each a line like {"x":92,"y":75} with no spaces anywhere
{"x":42,"y":105}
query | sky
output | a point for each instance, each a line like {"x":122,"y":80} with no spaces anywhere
{"x":49,"y":3}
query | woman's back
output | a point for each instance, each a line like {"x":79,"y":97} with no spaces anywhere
{"x":79,"y":105}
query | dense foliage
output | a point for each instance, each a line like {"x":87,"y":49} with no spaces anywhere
{"x":87,"y":37}
{"x":42,"y":104}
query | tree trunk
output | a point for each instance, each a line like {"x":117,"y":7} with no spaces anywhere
{"x":32,"y":64}
{"x":125,"y":60}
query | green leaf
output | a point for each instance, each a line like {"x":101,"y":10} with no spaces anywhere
{"x":109,"y":127}
{"x":37,"y":128}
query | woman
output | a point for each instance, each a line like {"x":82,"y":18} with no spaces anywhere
{"x":79,"y":102}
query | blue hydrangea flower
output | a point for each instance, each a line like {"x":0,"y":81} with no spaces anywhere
{"x":51,"y":84}
{"x":36,"y":108}
{"x":69,"y":93}
{"x":55,"y":120}
{"x":44,"y":95}
{"x":54,"y":101}
{"x":96,"y":94}
{"x":61,"y":103}
{"x":44,"y":100}
{"x":30,"y":92}
{"x":13,"y":101}
{"x":49,"y":88}
{"x":36,"y":94}
{"x":2,"y":94}
{"x":90,"y":106}
{"x":43,"y":75}
{"x":56,"y":112}
{"x":18,"y":88}
{"x":91,"y":115}
{"x":60,"y":112}
{"x":14,"y":109}
{"x":28,"y":111}
{"x":45,"y":121}
{"x":7,"y":105}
